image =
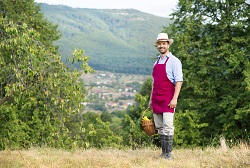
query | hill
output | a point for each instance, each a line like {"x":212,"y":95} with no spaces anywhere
{"x":117,"y":40}
{"x":114,"y":158}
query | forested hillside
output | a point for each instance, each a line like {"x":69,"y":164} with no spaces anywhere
{"x":117,"y":40}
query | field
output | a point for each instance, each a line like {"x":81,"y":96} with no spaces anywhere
{"x":113,"y":158}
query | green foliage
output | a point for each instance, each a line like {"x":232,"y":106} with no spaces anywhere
{"x":38,"y":93}
{"x":100,"y":106}
{"x":188,"y":129}
{"x":106,"y":117}
{"x":187,"y":124}
{"x":41,"y":99}
{"x":117,"y":40}
{"x":212,"y":40}
{"x":25,"y":11}
{"x":132,"y":133}
{"x":88,"y":131}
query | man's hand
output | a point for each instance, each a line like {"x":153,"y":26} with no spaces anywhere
{"x":173,"y":103}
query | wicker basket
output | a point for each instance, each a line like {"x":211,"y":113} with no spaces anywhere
{"x":148,"y":127}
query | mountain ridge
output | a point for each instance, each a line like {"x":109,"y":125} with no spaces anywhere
{"x":117,"y":40}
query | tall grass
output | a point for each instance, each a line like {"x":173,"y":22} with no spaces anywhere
{"x":238,"y":156}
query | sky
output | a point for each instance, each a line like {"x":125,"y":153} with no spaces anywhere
{"x":158,"y":7}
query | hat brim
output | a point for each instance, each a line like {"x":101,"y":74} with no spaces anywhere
{"x":168,"y":40}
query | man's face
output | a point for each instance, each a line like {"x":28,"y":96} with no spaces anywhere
{"x":162,"y":46}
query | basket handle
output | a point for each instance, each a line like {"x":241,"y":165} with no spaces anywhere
{"x":145,"y":111}
{"x":142,"y":114}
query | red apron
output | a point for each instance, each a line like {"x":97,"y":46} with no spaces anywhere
{"x":163,"y":89}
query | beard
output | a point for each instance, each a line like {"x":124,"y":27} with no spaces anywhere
{"x":162,"y":50}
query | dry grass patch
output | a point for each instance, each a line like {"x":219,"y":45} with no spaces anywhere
{"x":113,"y":158}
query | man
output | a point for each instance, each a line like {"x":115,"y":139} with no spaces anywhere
{"x":166,"y":86}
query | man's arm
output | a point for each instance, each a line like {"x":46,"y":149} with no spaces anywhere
{"x":150,"y":99}
{"x":177,"y":90}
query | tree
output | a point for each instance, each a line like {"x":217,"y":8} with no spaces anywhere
{"x":26,"y":11}
{"x":39,"y":95}
{"x":98,"y":133}
{"x":132,"y":133}
{"x":212,"y":40}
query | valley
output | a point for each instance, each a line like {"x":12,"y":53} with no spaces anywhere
{"x":107,"y":91}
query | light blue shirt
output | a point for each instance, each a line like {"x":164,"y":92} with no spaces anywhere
{"x":173,"y":67}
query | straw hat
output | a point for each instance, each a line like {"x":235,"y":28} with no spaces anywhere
{"x":164,"y":37}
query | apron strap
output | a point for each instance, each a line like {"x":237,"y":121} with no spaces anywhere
{"x":166,"y":60}
{"x":158,"y":60}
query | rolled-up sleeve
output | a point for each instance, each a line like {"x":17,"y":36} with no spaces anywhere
{"x":177,"y":71}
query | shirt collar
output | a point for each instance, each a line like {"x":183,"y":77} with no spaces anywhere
{"x":168,"y":55}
